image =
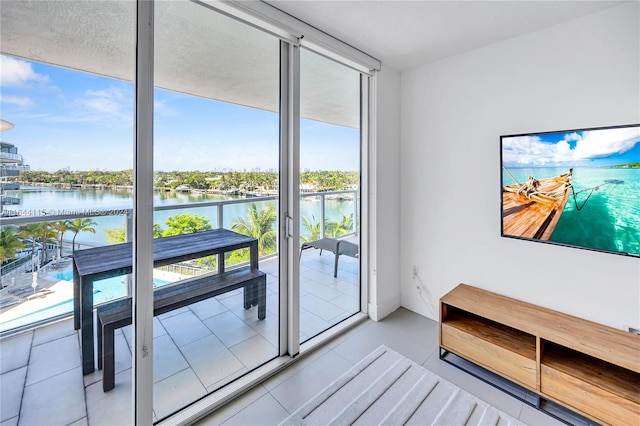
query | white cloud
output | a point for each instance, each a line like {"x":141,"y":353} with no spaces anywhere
{"x":112,"y":102}
{"x":102,"y":105}
{"x":111,"y":93}
{"x":531,"y":150}
{"x":16,"y":72}
{"x":572,"y":137}
{"x":16,"y":100}
{"x":603,"y":143}
{"x":161,"y":108}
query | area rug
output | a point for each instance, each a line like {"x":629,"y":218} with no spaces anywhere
{"x":387,"y":388}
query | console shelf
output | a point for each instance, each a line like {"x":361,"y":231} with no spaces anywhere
{"x":589,"y":368}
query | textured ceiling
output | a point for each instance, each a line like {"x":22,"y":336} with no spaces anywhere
{"x":197,"y":51}
{"x":406,"y":34}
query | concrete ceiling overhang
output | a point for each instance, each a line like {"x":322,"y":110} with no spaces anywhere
{"x":197,"y":51}
{"x":203,"y":53}
{"x":5,"y":125}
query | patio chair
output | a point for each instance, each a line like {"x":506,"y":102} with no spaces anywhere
{"x":337,"y":247}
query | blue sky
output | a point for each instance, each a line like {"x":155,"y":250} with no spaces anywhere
{"x":65,"y":118}
{"x":593,"y":148}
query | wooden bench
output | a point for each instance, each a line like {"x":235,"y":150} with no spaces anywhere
{"x":117,"y":314}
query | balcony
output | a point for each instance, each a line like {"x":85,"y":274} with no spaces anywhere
{"x":9,"y":157}
{"x":197,"y":349}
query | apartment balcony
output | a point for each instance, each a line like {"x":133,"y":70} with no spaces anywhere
{"x":9,"y":157}
{"x":197,"y":349}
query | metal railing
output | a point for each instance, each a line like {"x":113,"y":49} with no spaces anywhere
{"x":10,"y":156}
{"x":43,"y":215}
{"x":15,"y":264}
{"x":183,"y":269}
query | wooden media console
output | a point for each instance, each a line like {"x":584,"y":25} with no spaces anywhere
{"x":589,"y":368}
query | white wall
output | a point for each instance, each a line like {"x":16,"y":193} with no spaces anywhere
{"x":584,"y":73}
{"x":384,"y":294}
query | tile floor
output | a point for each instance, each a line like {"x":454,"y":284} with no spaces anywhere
{"x":403,"y":331}
{"x":210,"y":343}
{"x":269,"y":403}
{"x":197,"y":349}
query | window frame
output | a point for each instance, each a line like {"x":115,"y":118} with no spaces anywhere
{"x":291,"y":32}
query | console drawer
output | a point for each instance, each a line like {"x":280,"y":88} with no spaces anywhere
{"x":493,"y":349}
{"x":580,"y":395}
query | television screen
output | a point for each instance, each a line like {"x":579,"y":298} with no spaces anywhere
{"x":578,"y":188}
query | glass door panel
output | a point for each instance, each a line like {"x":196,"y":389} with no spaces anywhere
{"x":216,"y":160}
{"x":66,"y":162}
{"x":329,"y":214}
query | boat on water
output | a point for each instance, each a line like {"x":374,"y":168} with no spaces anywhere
{"x":532,"y":209}
{"x":183,"y":188}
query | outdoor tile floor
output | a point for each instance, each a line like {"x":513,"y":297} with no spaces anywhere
{"x":197,"y":349}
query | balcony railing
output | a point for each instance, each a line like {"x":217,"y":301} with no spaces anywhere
{"x":19,"y":218}
{"x":9,"y":156}
{"x":35,"y":216}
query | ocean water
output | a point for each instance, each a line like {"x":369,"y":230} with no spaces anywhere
{"x":610,"y":217}
{"x":35,"y":199}
{"x":57,"y":200}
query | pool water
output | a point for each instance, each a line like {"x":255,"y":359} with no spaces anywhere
{"x":103,"y":291}
{"x":66,"y":275}
{"x":108,"y":289}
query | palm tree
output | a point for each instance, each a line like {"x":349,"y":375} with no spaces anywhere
{"x":344,"y":226}
{"x":259,"y":226}
{"x":313,"y":229}
{"x":78,"y":225}
{"x":10,"y":243}
{"x":60,"y":227}
{"x":47,"y":234}
{"x":31,"y":231}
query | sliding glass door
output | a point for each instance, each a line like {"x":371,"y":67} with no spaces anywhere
{"x":329,"y":216}
{"x":216,"y":166}
{"x":68,"y":73}
{"x":231,"y":123}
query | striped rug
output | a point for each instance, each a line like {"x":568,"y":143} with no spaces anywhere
{"x":386,"y":388}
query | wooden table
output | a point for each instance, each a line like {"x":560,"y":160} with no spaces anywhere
{"x":100,"y":263}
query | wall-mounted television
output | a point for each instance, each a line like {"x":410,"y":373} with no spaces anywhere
{"x":577,"y":188}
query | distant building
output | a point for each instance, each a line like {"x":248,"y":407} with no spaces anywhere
{"x":11,"y":163}
{"x":308,"y":187}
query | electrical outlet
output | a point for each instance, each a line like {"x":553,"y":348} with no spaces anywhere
{"x":415,"y":271}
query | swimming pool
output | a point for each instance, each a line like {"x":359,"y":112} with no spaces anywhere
{"x":103,"y":291}
{"x":108,"y":289}
{"x":66,"y":275}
